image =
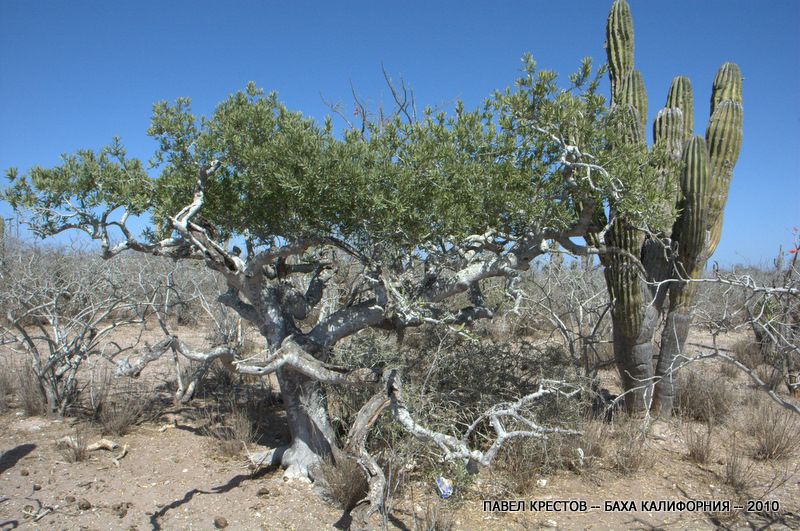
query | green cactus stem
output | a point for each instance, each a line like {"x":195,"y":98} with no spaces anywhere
{"x":727,"y":85}
{"x":690,"y":227}
{"x":619,"y":45}
{"x":681,"y":96}
{"x":634,"y":93}
{"x":724,"y":139}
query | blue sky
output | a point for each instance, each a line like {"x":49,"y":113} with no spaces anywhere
{"x":74,"y":74}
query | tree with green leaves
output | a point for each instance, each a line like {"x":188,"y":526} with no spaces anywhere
{"x":428,"y":207}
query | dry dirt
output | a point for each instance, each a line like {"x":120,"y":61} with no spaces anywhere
{"x":175,"y":478}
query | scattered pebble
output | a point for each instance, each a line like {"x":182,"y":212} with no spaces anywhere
{"x":24,"y":472}
{"x":541,"y":483}
{"x":69,"y":499}
{"x":121,"y":509}
{"x":263,"y":492}
{"x":220,"y":522}
{"x":84,"y":504}
{"x":36,"y":487}
{"x":550,"y":523}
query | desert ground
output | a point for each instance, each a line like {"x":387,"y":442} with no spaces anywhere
{"x":175,"y":474}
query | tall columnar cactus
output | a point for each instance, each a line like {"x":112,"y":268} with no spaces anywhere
{"x":724,"y":139}
{"x":706,"y":170}
{"x":619,"y":45}
{"x":2,"y":246}
{"x":727,"y":86}
{"x":681,"y":96}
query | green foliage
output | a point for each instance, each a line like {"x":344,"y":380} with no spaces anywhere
{"x":84,"y":181}
{"x":399,"y":182}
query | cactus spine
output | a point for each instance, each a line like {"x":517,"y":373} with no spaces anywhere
{"x":704,"y":179}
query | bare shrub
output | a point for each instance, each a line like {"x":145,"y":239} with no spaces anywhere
{"x":628,"y":452}
{"x":6,"y":385}
{"x":749,"y":353}
{"x":770,"y":376}
{"x":232,"y":431}
{"x":703,"y":398}
{"x":73,"y":448}
{"x":738,"y":472}
{"x":775,"y":430}
{"x":698,"y":443}
{"x":595,"y":443}
{"x":121,"y":413}
{"x":29,"y":391}
{"x":435,"y":518}
{"x":729,"y":370}
{"x":521,"y":461}
{"x":344,"y":482}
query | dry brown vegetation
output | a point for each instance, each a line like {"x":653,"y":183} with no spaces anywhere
{"x":726,"y":432}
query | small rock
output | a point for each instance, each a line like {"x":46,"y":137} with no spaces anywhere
{"x":541,"y":483}
{"x":84,"y":504}
{"x":263,"y":492}
{"x":36,"y":487}
{"x":121,"y":509}
{"x":24,"y":472}
{"x":550,"y":523}
{"x":220,"y":522}
{"x":70,"y":499}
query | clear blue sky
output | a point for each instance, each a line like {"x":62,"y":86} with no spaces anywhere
{"x":75,"y":73}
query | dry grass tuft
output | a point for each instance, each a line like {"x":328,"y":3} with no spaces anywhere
{"x":73,"y":448}
{"x":436,"y":518}
{"x":749,"y":353}
{"x":119,"y":415}
{"x":232,"y":431}
{"x":770,"y":376}
{"x":729,"y":370}
{"x":738,"y":471}
{"x":698,"y":443}
{"x":703,"y":398}
{"x":776,"y":432}
{"x":628,"y":448}
{"x":6,"y":385}
{"x":29,"y":391}
{"x":344,"y":482}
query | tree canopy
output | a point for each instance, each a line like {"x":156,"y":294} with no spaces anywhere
{"x":520,"y":164}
